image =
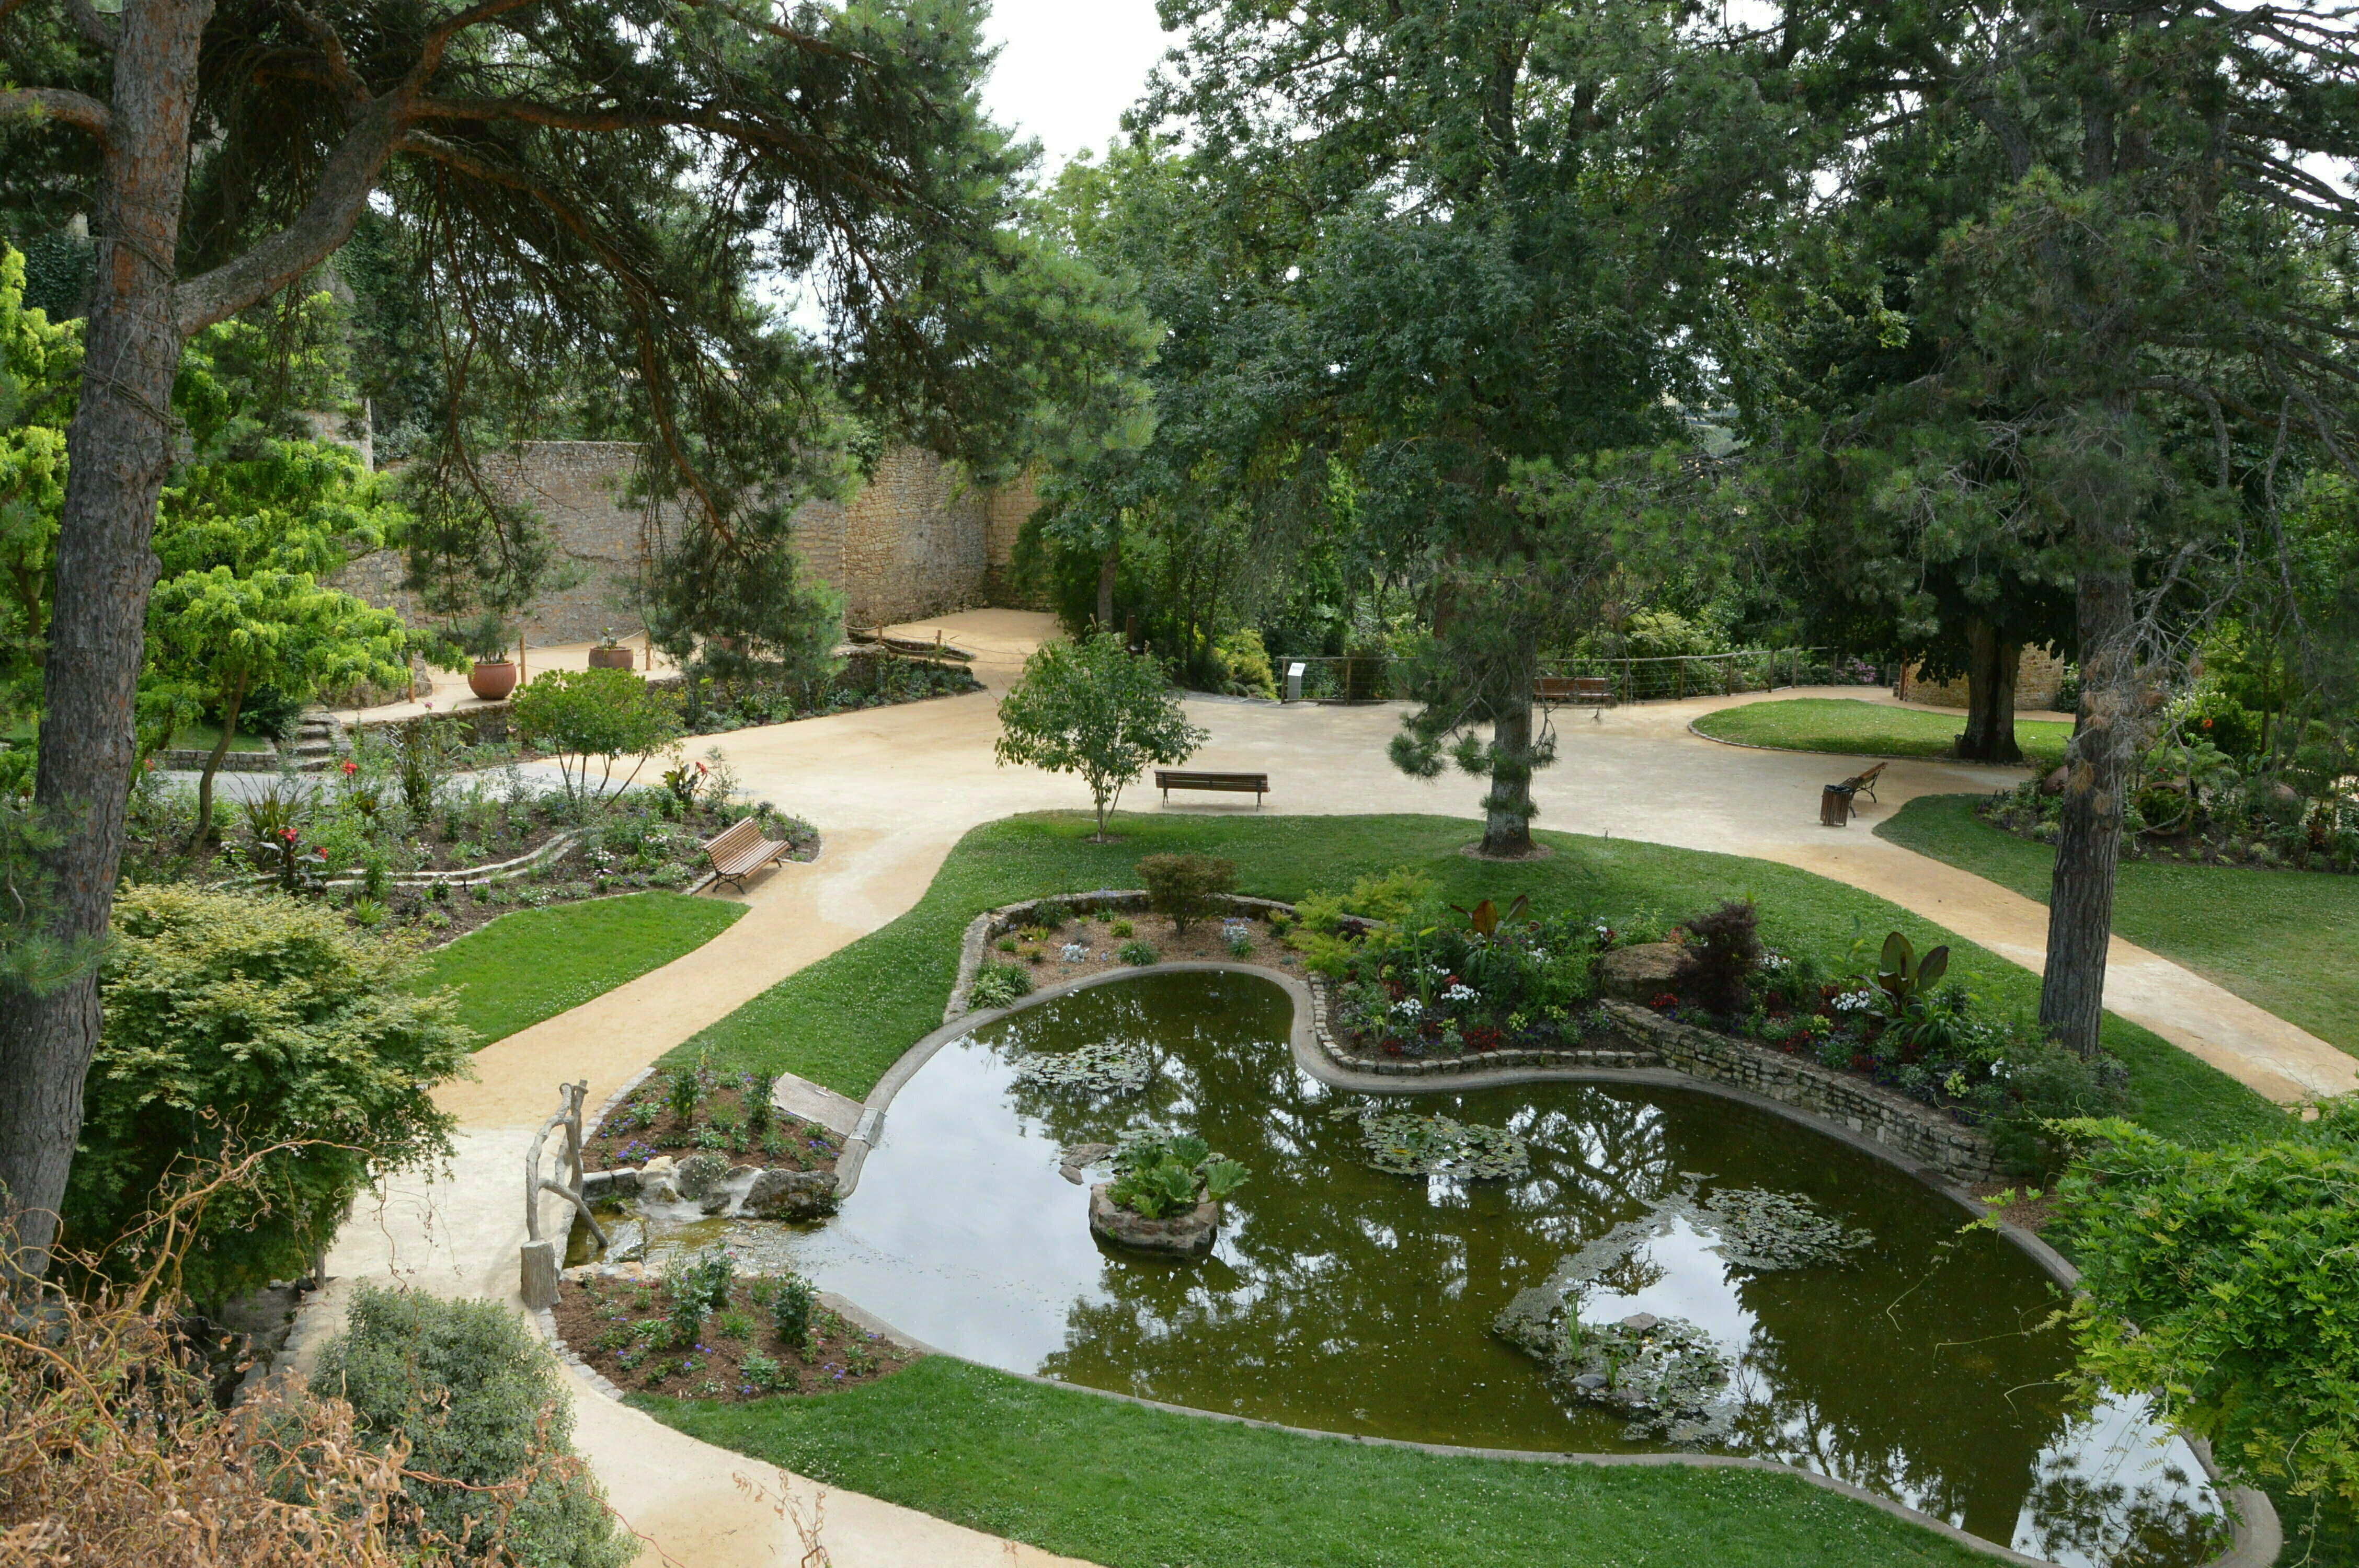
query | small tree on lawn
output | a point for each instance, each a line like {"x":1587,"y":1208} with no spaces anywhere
{"x":221,"y":635}
{"x":1094,"y":708}
{"x":602,"y":714}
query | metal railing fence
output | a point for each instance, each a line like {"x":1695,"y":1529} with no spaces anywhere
{"x":1376,"y":677}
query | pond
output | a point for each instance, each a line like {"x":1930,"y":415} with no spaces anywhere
{"x":1344,"y":1298}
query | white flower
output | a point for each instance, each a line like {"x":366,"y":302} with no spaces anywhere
{"x":1540,"y":955}
{"x":1855,"y":1002}
{"x":1774,"y":961}
{"x":1408,"y":1007}
{"x":1076,"y":951}
{"x":1460,"y":992}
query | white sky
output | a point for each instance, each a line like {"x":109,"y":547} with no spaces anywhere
{"x":1067,"y":69}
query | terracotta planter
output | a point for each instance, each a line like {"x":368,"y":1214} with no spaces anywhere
{"x":612,"y":658}
{"x":493,"y":679}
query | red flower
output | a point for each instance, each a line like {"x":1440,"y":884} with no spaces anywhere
{"x":699,"y":767}
{"x":1667,"y":1000}
{"x":2207,"y":724}
{"x":288,"y":834}
{"x":350,"y":768}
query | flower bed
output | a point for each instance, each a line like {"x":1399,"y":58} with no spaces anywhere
{"x":723,"y":1115}
{"x":359,"y":841}
{"x":1013,"y":951}
{"x":699,"y":1331}
{"x":1413,"y":985}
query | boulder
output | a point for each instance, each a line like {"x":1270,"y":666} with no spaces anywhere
{"x":617,"y":1183}
{"x":1641,"y":974}
{"x":662,"y":1165}
{"x":1189,"y":1235}
{"x":790,"y":1195}
{"x":1079,"y":1158}
{"x":699,"y":1174}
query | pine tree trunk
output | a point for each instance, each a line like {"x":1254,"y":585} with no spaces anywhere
{"x":2100,"y":762}
{"x":1507,"y":809}
{"x":1993,"y":662}
{"x":120,"y":447}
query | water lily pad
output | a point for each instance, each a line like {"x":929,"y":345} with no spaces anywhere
{"x":1763,"y":1230}
{"x":1105,"y":1066}
{"x":1408,"y":1144}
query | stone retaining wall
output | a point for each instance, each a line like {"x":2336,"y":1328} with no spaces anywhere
{"x":1909,"y":1127}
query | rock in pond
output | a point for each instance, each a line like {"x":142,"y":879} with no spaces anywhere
{"x":1641,"y":974}
{"x":1189,"y":1235}
{"x":699,"y":1174}
{"x":790,"y":1195}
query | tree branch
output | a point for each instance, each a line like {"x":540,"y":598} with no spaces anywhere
{"x":84,"y":114}
{"x":97,"y":29}
{"x":325,"y":223}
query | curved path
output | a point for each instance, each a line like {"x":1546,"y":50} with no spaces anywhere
{"x":894,"y":789}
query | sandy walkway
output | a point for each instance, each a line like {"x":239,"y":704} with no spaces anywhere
{"x":894,"y":789}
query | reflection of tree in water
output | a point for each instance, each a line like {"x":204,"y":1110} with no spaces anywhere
{"x":1861,"y":1403}
{"x":1344,"y":1297}
{"x":2105,"y":1521}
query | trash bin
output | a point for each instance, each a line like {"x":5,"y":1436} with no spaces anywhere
{"x":1834,"y":805}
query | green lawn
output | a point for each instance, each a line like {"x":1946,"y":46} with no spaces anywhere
{"x":537,"y":963}
{"x":1853,"y":728}
{"x":1130,"y":1487}
{"x":198,"y":736}
{"x":843,"y":1021}
{"x":2288,"y":941}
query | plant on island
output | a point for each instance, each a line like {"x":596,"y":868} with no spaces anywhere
{"x":1158,"y":1178}
{"x":1186,"y":888}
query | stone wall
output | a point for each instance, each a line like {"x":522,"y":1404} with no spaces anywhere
{"x":2038,"y":675}
{"x":914,"y":541}
{"x":1908,"y":1128}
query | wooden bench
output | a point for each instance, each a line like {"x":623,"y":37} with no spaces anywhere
{"x":1255,"y":785}
{"x":739,"y":851}
{"x":1864,"y":784}
{"x":1574,"y":691}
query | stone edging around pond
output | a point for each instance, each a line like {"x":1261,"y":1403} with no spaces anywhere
{"x":993,"y":924}
{"x":1912,"y":1130}
{"x":2257,"y":1535}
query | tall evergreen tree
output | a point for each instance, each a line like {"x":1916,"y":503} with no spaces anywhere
{"x":579,"y":173}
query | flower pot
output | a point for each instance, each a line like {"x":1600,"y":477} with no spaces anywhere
{"x":612,"y":658}
{"x":491,"y":679}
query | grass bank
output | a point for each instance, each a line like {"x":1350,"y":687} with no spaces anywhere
{"x":843,"y":1021}
{"x":2287,"y":941}
{"x":537,"y":963}
{"x":1847,"y":725}
{"x":1130,"y":1487}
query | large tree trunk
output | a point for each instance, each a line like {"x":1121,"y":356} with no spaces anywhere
{"x":1991,"y":664}
{"x":121,"y":448}
{"x":1507,"y":809}
{"x":2102,"y":759}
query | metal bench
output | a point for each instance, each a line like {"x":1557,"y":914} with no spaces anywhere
{"x":740,"y":850}
{"x":1256,"y":785}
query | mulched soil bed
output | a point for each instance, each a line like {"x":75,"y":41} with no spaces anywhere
{"x":645,"y":1126}
{"x":1203,"y":940}
{"x":623,"y":1329}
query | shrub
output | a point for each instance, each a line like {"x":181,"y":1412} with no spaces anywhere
{"x":2219,"y":1282}
{"x":2042,"y":1084}
{"x":1050,"y":914}
{"x":1186,"y":888}
{"x":480,"y":1402}
{"x":607,"y":715}
{"x":1156,"y":1177}
{"x":1138,"y":953}
{"x":999,"y":985}
{"x":1245,"y":663}
{"x":759,"y":1088}
{"x":700,"y":1282}
{"x":790,"y":1310}
{"x":112,"y":1437}
{"x":1724,"y":948}
{"x":234,"y":1022}
{"x":1120,"y":929}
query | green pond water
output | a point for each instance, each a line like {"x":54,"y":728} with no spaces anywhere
{"x":1349,"y":1299}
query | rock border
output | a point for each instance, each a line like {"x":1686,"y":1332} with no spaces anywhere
{"x":993,"y":924}
{"x":2257,"y":1534}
